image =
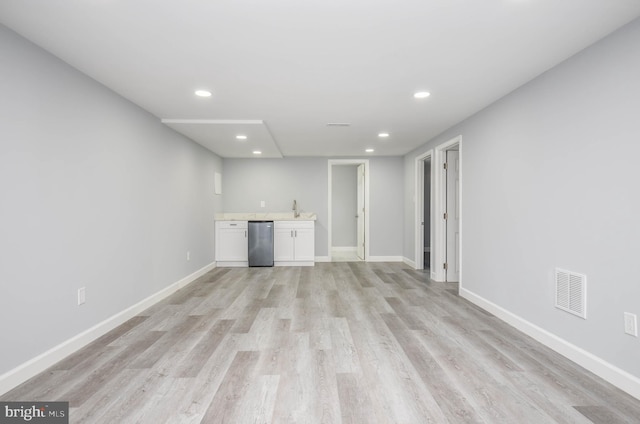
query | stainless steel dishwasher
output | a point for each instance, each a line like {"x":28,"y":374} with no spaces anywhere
{"x":260,"y":243}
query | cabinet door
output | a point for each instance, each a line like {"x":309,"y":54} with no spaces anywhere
{"x":304,"y":248}
{"x":283,"y":244}
{"x":233,"y":245}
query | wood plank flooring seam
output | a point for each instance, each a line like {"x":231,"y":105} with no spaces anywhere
{"x":334,"y":343}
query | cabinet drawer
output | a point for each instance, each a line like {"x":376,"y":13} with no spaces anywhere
{"x":232,"y":224}
{"x":294,"y":225}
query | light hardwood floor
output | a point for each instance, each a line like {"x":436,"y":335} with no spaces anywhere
{"x":334,"y":343}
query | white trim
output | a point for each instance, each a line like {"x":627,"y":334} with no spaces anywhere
{"x":418,"y":199}
{"x":367,"y":212}
{"x":614,"y":375}
{"x":34,"y":366}
{"x":323,"y":258}
{"x":409,"y":262}
{"x":232,"y":264}
{"x":385,"y":259}
{"x":439,"y":229}
{"x":344,"y":249}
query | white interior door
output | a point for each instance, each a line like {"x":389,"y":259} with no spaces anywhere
{"x":453,"y":216}
{"x":360,"y":213}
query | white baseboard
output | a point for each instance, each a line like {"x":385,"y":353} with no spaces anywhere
{"x":614,"y":375}
{"x":385,"y":259}
{"x":36,"y":365}
{"x":230,"y":264}
{"x":409,"y":262}
{"x":344,"y":249}
{"x":323,"y":259}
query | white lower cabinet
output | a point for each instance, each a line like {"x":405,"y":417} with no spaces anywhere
{"x":294,"y":243}
{"x":232,"y":248}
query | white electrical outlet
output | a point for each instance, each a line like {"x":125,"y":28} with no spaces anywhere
{"x":263,"y":203}
{"x":188,"y":255}
{"x":630,"y":324}
{"x":81,"y":296}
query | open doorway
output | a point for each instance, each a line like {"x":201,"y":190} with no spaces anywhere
{"x":423,"y":211}
{"x":348,"y":209}
{"x":426,"y":218}
{"x":437,"y":211}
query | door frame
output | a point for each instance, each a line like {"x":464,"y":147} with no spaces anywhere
{"x":361,"y":217}
{"x":338,"y":162}
{"x":419,"y":210}
{"x":439,"y":227}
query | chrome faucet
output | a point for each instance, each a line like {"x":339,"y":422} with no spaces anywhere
{"x":296,"y":213}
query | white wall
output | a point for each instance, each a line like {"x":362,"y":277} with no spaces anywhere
{"x":344,"y":203}
{"x":278,"y":181}
{"x":95,"y":192}
{"x":549,"y":179}
{"x":386,"y":206}
{"x":246,"y":182}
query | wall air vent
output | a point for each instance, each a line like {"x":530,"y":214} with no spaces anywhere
{"x":571,"y":292}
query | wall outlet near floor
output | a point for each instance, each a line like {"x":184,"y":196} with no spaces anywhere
{"x":81,"y":296}
{"x":188,"y":255}
{"x":631,"y":324}
{"x":263,"y":203}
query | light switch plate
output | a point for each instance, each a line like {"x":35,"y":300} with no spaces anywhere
{"x":630,"y":324}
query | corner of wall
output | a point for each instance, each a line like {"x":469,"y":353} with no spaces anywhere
{"x":34,"y":366}
{"x":614,"y":375}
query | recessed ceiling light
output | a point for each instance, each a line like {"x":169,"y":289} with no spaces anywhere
{"x":421,"y":94}
{"x":369,"y":150}
{"x":241,"y":137}
{"x":383,"y":135}
{"x":203,"y":93}
{"x":257,"y":152}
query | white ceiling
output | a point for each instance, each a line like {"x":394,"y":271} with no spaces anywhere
{"x":296,"y":65}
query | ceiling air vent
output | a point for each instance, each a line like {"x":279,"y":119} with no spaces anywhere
{"x":338,"y":124}
{"x":571,"y":292}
